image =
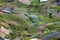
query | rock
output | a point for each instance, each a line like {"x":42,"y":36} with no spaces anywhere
{"x":2,"y":35}
{"x":35,"y":39}
{"x":41,"y":27}
{"x":5,"y":31}
{"x":6,"y":21}
{"x":22,"y":15}
{"x":4,"y":24}
{"x":11,"y":22}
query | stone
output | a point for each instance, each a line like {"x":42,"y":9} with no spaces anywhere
{"x":4,"y":24}
{"x":5,"y":31}
{"x":2,"y":35}
{"x":35,"y":39}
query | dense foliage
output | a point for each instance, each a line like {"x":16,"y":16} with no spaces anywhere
{"x":26,"y":28}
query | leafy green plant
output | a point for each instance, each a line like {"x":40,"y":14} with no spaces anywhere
{"x":35,"y":3}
